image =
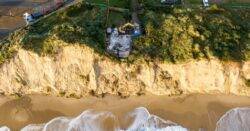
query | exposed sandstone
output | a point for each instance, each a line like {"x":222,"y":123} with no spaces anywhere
{"x":77,"y":71}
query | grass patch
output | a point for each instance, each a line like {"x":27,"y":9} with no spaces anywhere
{"x":248,"y":83}
{"x":116,"y":18}
{"x":194,"y":1}
{"x":115,"y":3}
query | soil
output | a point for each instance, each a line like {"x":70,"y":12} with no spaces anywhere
{"x":191,"y":111}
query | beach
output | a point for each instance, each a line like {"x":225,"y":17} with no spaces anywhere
{"x":191,"y":111}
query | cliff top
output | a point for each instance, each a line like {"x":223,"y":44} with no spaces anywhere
{"x":173,"y":34}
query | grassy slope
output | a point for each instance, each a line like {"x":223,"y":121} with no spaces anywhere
{"x":79,"y":24}
{"x":181,"y":34}
{"x":221,"y":33}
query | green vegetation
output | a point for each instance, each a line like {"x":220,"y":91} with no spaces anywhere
{"x":81,"y":24}
{"x":172,"y":34}
{"x":115,"y":3}
{"x":114,"y":18}
{"x":248,"y":83}
{"x":182,"y":34}
{"x":235,"y":3}
{"x":7,"y":50}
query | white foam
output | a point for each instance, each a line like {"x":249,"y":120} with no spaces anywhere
{"x":237,"y":119}
{"x":88,"y":121}
{"x":91,"y":120}
{"x":4,"y":128}
{"x":144,"y":121}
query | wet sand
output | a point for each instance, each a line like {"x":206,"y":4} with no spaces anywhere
{"x":192,"y":111}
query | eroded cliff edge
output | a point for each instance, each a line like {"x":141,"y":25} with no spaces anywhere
{"x":77,"y":71}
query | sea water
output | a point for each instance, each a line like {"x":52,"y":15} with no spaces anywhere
{"x":90,"y":120}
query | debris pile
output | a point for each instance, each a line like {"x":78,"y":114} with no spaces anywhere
{"x":120,"y":40}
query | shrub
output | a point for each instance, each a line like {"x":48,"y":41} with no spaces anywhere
{"x":195,"y":33}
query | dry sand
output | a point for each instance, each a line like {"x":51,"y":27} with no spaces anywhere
{"x":192,"y":111}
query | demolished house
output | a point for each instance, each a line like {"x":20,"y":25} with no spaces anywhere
{"x":119,"y":45}
{"x":120,"y":40}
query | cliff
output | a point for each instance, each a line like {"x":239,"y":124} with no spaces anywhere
{"x":77,"y":71}
{"x":64,"y":54}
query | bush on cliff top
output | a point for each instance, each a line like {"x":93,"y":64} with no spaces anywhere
{"x":173,"y":35}
{"x":193,"y":33}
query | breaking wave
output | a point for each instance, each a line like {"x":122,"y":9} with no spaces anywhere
{"x":140,"y":119}
{"x":237,"y":119}
{"x":4,"y":128}
{"x":90,"y":120}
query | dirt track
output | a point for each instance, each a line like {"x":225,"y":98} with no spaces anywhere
{"x":11,"y":12}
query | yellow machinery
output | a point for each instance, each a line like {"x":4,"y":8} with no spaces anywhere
{"x":125,"y":27}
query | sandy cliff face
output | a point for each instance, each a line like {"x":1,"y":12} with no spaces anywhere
{"x":78,"y":71}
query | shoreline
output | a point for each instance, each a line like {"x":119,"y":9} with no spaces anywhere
{"x":191,"y":111}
